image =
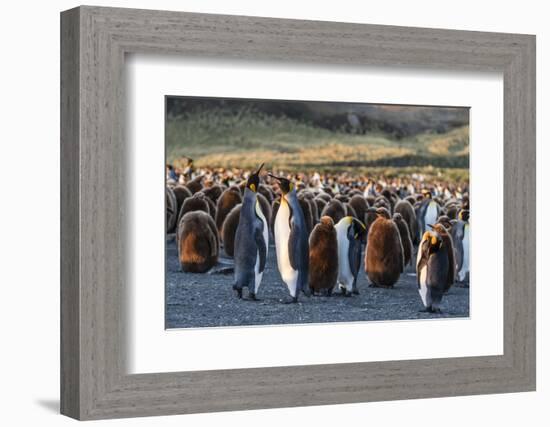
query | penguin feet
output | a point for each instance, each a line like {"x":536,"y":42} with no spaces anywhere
{"x":291,"y":301}
{"x":344,"y":292}
{"x":239,"y":291}
{"x":252,"y":297}
{"x":355,"y":292}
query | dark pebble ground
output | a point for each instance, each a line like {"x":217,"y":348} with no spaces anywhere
{"x":207,"y":300}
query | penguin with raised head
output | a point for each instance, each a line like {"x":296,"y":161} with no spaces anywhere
{"x":432,"y":271}
{"x":251,"y":241}
{"x":291,"y":240}
{"x":349,"y":233}
{"x":323,"y":257}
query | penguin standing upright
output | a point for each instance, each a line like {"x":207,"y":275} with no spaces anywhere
{"x":384,"y":254}
{"x":461,"y":239}
{"x":251,"y":241}
{"x":323,"y":257}
{"x":432,"y":270}
{"x":198,"y":242}
{"x":427,"y":212}
{"x":291,"y":240}
{"x":349,"y":233}
{"x":405,"y":237}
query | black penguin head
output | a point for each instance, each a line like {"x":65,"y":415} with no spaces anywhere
{"x":464,"y":215}
{"x":286,"y":185}
{"x":253,"y":181}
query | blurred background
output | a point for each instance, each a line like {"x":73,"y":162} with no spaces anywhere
{"x":328,"y":137}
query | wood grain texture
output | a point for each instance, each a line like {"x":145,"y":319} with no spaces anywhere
{"x":94,"y":271}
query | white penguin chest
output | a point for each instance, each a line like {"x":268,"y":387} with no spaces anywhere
{"x":258,"y":274}
{"x":282,"y":235}
{"x":431,"y":215}
{"x":345,"y":277}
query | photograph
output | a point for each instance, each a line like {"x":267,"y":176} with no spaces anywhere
{"x":287,"y":212}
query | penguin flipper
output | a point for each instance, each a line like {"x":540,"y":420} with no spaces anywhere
{"x":260,"y":243}
{"x":354,"y":256}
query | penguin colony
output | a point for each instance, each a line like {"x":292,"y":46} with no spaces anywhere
{"x":323,"y":232}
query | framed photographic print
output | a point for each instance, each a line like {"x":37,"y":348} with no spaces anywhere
{"x":263,"y":213}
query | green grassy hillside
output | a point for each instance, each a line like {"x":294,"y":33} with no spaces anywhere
{"x":223,"y":138}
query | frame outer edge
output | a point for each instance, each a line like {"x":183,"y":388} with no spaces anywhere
{"x":86,"y":384}
{"x":70,"y":396}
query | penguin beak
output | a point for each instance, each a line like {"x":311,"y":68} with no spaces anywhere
{"x":259,"y":169}
{"x":273,"y":176}
{"x":430,"y":225}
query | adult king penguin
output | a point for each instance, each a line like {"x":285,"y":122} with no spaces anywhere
{"x":349,"y":232}
{"x":291,"y":240}
{"x":251,"y":241}
{"x":427,"y":213}
{"x":432,"y":270}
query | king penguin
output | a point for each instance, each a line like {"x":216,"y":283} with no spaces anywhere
{"x":461,"y":239}
{"x":251,"y":241}
{"x":349,"y":232}
{"x":291,"y":241}
{"x":427,"y":213}
{"x":432,"y":270}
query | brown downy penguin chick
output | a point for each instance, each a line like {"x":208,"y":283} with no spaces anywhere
{"x":181,"y":193}
{"x":214,"y":192}
{"x":320,"y":202}
{"x":343,"y":198}
{"x":323,"y":257}
{"x":382,"y":202}
{"x":229,"y":229}
{"x":406,"y":210}
{"x":351,"y":212}
{"x":325,"y":196}
{"x":359,"y":204}
{"x":383,"y":212}
{"x":197,"y":202}
{"x":171,"y":210}
{"x":266,"y":191}
{"x":227,"y":201}
{"x":308,"y":216}
{"x":384,"y":253}
{"x":389,"y":196}
{"x":211,"y":205}
{"x":370,"y":216}
{"x":448,"y":248}
{"x":265,"y":206}
{"x":195,"y":185}
{"x":411,"y":199}
{"x":370,"y":200}
{"x":335,"y":209}
{"x":198,"y":242}
{"x":445,"y":221}
{"x":314,"y":210}
{"x":405,"y":237}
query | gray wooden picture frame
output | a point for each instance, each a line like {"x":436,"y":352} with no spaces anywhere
{"x":94,"y":41}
